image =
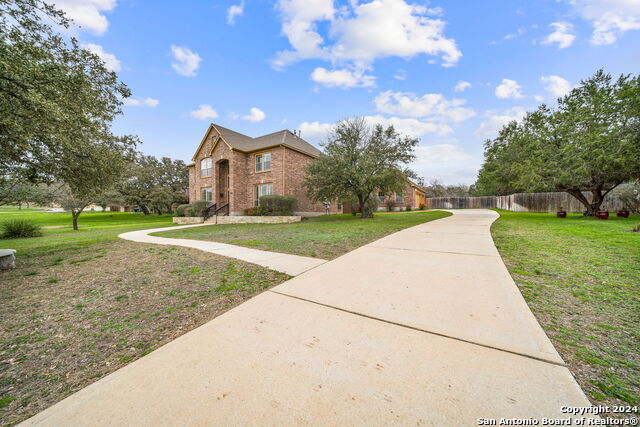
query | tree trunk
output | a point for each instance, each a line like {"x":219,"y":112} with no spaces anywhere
{"x":596,"y":200}
{"x":145,"y":209}
{"x":75,"y":216}
{"x":364,"y":210}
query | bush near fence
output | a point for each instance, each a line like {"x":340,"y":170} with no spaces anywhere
{"x":523,"y":202}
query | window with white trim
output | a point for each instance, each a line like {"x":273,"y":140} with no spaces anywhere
{"x":263,"y":162}
{"x":261,"y":190}
{"x":380,"y":196}
{"x":206,"y":167}
{"x":399,"y":198}
{"x":206,"y":193}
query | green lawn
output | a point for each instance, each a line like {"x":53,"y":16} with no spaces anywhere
{"x":581,"y":278}
{"x":16,"y":208}
{"x":324,"y":237}
{"x":95,"y":227}
{"x":82,"y":304}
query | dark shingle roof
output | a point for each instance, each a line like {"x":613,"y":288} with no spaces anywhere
{"x":284,"y":137}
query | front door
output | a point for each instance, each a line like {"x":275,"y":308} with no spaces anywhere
{"x":223,"y":183}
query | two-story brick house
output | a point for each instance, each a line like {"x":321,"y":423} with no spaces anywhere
{"x":235,"y":169}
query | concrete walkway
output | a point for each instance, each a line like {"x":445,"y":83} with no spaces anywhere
{"x":285,"y":263}
{"x":422,"y":327}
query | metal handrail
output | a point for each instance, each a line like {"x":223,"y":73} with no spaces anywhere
{"x":207,"y":211}
{"x":224,"y":208}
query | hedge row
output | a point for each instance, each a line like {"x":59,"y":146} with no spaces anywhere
{"x":269,"y":206}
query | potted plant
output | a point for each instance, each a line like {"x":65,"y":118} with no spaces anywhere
{"x":624,"y":212}
{"x":561,"y":213}
{"x":603,"y":213}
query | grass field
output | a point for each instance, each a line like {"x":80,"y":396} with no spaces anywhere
{"x":581,"y":278}
{"x":16,"y":209}
{"x":324,"y":237}
{"x":95,"y":227}
{"x":82,"y":304}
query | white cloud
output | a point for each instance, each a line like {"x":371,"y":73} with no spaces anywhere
{"x":440,"y":153}
{"x":361,"y":33}
{"x":538,"y":98}
{"x":609,"y":18}
{"x":432,"y":106}
{"x":447,"y":162}
{"x":508,"y":89}
{"x":234,"y":11}
{"x":204,"y":112}
{"x":141,"y":102}
{"x":110,"y":61}
{"x":299,"y":19}
{"x":315,"y":131}
{"x":342,"y":78}
{"x":495,"y":121}
{"x":517,"y":34}
{"x":556,"y":85}
{"x":88,"y":14}
{"x":255,"y":115}
{"x":186,"y":62}
{"x":400,"y":74}
{"x":461,"y":86}
{"x":410,"y":126}
{"x":384,"y":28}
{"x":562,"y":35}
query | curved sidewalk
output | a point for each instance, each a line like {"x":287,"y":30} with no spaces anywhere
{"x":284,"y":263}
{"x":422,"y":327}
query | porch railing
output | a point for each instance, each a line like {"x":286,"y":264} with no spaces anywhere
{"x":223,"y":210}
{"x":209,"y":211}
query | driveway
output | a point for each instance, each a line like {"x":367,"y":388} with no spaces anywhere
{"x":422,"y":327}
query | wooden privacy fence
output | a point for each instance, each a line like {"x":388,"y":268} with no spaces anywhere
{"x":522,"y":202}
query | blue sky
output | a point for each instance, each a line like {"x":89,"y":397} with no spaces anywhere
{"x":448,"y":72}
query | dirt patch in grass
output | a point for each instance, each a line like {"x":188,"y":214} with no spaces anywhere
{"x":581,"y":278}
{"x":71,"y":317}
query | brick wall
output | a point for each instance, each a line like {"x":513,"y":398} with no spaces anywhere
{"x":410,"y":198}
{"x":295,"y":164}
{"x":245,"y":177}
{"x":192,"y":183}
{"x":196,"y":181}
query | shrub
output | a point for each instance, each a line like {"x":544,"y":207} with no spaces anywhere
{"x":180,"y":210}
{"x":199,"y":206}
{"x":254,"y":211}
{"x":629,"y":195}
{"x":422,"y":206}
{"x":408,"y":208}
{"x":14,"y":228}
{"x":277,"y":205}
{"x":188,"y":211}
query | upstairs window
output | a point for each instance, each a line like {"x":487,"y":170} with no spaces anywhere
{"x":263,"y":162}
{"x":206,"y":167}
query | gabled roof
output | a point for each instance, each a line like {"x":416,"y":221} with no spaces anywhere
{"x":416,"y":186}
{"x":244,"y":143}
